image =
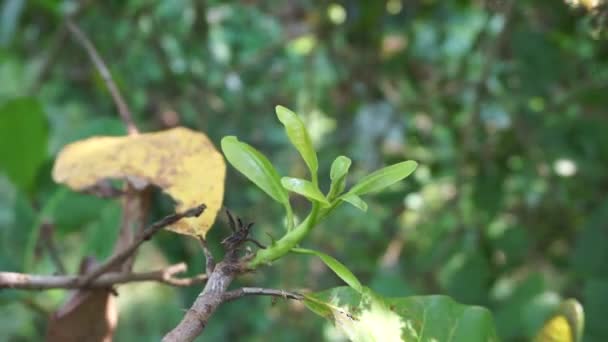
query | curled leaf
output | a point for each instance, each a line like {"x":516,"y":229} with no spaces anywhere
{"x":566,"y":325}
{"x":298,"y":135}
{"x":337,"y":174}
{"x":182,"y":162}
{"x":255,"y":166}
{"x":304,"y":188}
{"x":339,"y":168}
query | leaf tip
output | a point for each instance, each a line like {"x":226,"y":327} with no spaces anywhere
{"x":285,"y":114}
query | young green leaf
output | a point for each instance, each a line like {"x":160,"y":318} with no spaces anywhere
{"x":304,"y":188}
{"x":339,"y":169}
{"x":339,"y":269}
{"x":355,"y":200}
{"x":255,"y":166}
{"x":298,"y":135}
{"x":384,"y":177}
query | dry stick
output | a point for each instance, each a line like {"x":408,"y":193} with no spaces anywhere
{"x":146,"y":234}
{"x":46,"y":234}
{"x":40,"y":282}
{"x":258,"y":291}
{"x":132,"y":223}
{"x":101,"y":67}
{"x":209,"y":260}
{"x":132,"y":212}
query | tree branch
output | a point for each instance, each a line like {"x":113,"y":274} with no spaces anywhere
{"x":212,"y":296}
{"x":40,"y":282}
{"x":196,"y":318}
{"x":258,"y":291}
{"x":132,"y":210}
{"x":101,"y":67}
{"x":145,"y":235}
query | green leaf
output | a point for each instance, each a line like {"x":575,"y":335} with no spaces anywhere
{"x":304,"y":188}
{"x":23,"y":140}
{"x":339,"y":269}
{"x":355,"y":201}
{"x":339,"y":168}
{"x":382,"y":178}
{"x":366,"y":316}
{"x":298,"y":135}
{"x":255,"y":166}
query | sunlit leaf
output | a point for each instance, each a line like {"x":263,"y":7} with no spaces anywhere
{"x":566,"y":325}
{"x":384,"y":177}
{"x":366,"y":316}
{"x":255,"y":166}
{"x":355,"y":201}
{"x":182,"y":162}
{"x":304,"y":188}
{"x":339,"y":269}
{"x":298,"y":135}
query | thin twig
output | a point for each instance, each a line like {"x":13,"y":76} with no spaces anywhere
{"x":209,"y":260}
{"x":46,"y":236}
{"x":56,"y":45}
{"x":105,"y":74}
{"x":146,"y":234}
{"x":258,"y":291}
{"x":41,"y":282}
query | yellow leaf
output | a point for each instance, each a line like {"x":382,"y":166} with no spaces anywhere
{"x":182,"y":162}
{"x":566,"y":325}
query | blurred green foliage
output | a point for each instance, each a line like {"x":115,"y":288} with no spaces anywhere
{"x":503,"y":104}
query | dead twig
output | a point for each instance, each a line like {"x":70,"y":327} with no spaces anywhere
{"x":258,"y":291}
{"x":46,"y":238}
{"x":145,"y":235}
{"x":104,"y":72}
{"x":209,"y":260}
{"x":42,"y":282}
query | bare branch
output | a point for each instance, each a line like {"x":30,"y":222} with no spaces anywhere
{"x":101,"y":67}
{"x":195,"y":319}
{"x":41,"y":282}
{"x":145,"y":235}
{"x":258,"y":291}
